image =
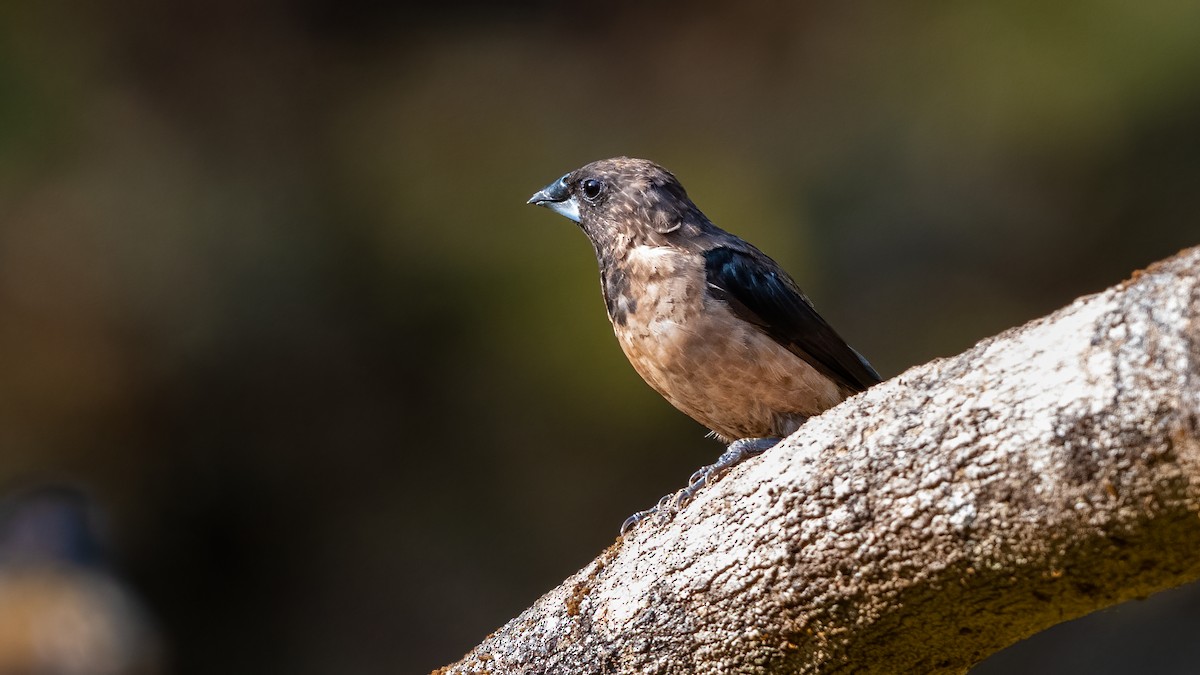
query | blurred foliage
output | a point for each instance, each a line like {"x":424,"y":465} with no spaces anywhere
{"x":270,"y":289}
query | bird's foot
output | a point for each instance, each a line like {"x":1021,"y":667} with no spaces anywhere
{"x":737,"y":452}
{"x":664,"y":509}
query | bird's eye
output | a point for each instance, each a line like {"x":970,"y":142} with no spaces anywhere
{"x":591,"y":189}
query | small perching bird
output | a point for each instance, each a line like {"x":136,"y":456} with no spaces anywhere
{"x":709,"y":321}
{"x":63,"y":610}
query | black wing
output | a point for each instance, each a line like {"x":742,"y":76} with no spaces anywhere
{"x":760,"y":293}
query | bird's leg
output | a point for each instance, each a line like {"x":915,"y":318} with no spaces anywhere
{"x":738,"y":451}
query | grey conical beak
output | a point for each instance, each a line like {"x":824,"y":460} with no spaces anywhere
{"x":558,"y":198}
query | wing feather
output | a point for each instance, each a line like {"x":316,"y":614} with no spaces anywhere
{"x":760,"y":292}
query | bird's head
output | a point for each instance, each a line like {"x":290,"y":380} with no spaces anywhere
{"x":622,"y":197}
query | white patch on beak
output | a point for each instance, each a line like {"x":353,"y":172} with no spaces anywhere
{"x":567,"y":207}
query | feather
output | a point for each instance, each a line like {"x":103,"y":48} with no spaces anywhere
{"x":760,"y":293}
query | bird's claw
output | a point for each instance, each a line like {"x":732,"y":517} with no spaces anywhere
{"x":664,"y":509}
{"x":671,"y":504}
{"x":636,"y":518}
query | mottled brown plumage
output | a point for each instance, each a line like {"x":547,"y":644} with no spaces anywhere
{"x":683,"y":336}
{"x":709,"y":321}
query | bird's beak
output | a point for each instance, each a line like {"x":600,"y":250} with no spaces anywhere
{"x":557,"y":197}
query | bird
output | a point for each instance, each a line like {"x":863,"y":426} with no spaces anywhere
{"x":63,"y":608}
{"x":710,"y":322}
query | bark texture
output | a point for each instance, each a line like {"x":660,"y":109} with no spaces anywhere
{"x":921,"y":526}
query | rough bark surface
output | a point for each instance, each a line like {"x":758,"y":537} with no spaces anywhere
{"x":919,"y":527}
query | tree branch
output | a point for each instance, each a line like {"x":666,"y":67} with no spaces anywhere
{"x":921,"y":526}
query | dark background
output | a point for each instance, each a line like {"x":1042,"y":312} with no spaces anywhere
{"x":270,"y":292}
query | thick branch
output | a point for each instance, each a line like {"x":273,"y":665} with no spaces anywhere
{"x":939,"y":517}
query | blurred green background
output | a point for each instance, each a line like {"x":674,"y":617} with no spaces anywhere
{"x":270,"y":292}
